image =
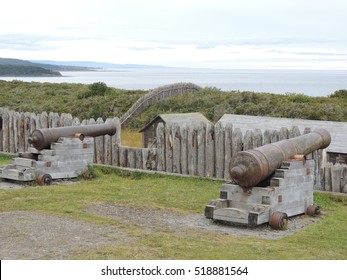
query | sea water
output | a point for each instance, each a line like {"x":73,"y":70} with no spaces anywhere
{"x":308,"y":82}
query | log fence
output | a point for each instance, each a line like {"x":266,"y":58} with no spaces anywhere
{"x":204,"y":150}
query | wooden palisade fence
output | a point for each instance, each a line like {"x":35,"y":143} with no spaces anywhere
{"x":204,"y":150}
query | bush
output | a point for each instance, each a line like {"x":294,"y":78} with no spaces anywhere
{"x":95,"y":89}
{"x":341,"y":93}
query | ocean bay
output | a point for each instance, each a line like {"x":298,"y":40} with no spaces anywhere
{"x":308,"y":82}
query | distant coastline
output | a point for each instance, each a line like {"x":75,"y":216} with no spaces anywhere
{"x":11,"y":67}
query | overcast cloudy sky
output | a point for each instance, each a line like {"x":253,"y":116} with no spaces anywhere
{"x":307,"y":34}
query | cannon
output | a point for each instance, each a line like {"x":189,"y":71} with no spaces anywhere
{"x":57,"y":153}
{"x":270,"y":183}
{"x":248,"y":168}
{"x":42,"y":138}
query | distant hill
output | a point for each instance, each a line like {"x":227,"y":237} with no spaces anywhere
{"x":26,"y":71}
{"x":53,"y":67}
{"x":95,"y":65}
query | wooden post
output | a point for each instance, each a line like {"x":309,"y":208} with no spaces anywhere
{"x":107,"y":147}
{"x":228,"y":133}
{"x":33,"y":122}
{"x":294,"y":131}
{"x":1,"y":128}
{"x":100,"y":145}
{"x":284,"y":133}
{"x":327,"y":177}
{"x":275,"y":137}
{"x":192,"y":151}
{"x":123,"y":156}
{"x":131,"y":158}
{"x":219,"y":150}
{"x":344,"y":179}
{"x":267,"y":136}
{"x":115,"y":143}
{"x":75,"y":122}
{"x":6,"y":132}
{"x":161,"y":147}
{"x":21,"y":132}
{"x":43,"y":119}
{"x":248,"y":140}
{"x":236,"y":141}
{"x":168,"y":148}
{"x":184,"y":149}
{"x":257,"y":138}
{"x":336,"y":177}
{"x":15,"y":131}
{"x":27,"y":130}
{"x":201,"y":145}
{"x":139,"y":159}
{"x":149,"y":158}
{"x":210,"y":150}
{"x":176,"y":149}
{"x":11,"y":131}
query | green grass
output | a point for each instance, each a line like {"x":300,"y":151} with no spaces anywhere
{"x":5,"y":159}
{"x":325,"y":239}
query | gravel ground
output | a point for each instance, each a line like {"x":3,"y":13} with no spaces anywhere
{"x":158,"y":219}
{"x":34,"y":235}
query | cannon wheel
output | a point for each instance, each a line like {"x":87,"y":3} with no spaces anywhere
{"x":279,"y":220}
{"x":313,"y":210}
{"x":44,"y":179}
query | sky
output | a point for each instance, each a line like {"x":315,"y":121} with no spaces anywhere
{"x":225,"y":34}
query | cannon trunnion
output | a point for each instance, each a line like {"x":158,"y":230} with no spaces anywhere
{"x":287,"y":177}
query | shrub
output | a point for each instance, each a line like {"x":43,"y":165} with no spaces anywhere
{"x":341,"y":93}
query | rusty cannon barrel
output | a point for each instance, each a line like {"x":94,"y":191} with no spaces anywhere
{"x":248,"y":168}
{"x":42,"y":138}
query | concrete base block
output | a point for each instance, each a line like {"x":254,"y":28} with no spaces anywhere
{"x":290,"y":192}
{"x":67,"y":158}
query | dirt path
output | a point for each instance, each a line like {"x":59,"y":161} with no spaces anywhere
{"x":33,"y":235}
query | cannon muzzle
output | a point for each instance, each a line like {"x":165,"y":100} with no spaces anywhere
{"x":42,"y":138}
{"x":248,"y":168}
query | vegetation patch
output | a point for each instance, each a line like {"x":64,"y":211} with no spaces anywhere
{"x":98,"y":100}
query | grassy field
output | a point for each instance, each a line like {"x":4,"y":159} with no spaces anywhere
{"x":131,"y":138}
{"x":325,"y":239}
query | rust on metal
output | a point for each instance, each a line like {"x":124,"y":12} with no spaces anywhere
{"x":42,"y":138}
{"x":248,"y":168}
{"x":279,"y":220}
